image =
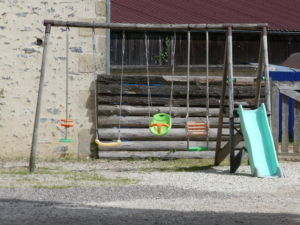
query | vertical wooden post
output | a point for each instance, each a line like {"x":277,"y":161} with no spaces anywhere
{"x":266,"y":72}
{"x":230,"y":96}
{"x":259,"y":73}
{"x":221,"y":112}
{"x":230,"y":72}
{"x":39,"y":101}
{"x":285,"y":128}
{"x":296,"y":126}
{"x":275,"y":115}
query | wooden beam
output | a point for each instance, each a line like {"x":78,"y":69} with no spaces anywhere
{"x":291,"y":93}
{"x":223,"y":153}
{"x":159,"y":146}
{"x":275,"y":115}
{"x":107,"y":110}
{"x":295,"y":85}
{"x":39,"y":101}
{"x":166,"y":80}
{"x":144,"y":134}
{"x":266,"y":73}
{"x":259,"y":74}
{"x":296,"y":126}
{"x":285,"y":120}
{"x":156,"y":154}
{"x":178,"y":90}
{"x":156,"y":100}
{"x":143,"y":122}
{"x":222,"y":105}
{"x":173,"y":27}
{"x":230,"y":72}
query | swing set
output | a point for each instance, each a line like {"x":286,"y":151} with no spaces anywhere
{"x":160,"y":124}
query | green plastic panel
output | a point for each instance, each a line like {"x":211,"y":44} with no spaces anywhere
{"x":69,"y":140}
{"x":161,"y":118}
{"x":195,"y":149}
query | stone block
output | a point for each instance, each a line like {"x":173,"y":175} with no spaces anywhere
{"x":101,"y":45}
{"x":86,"y":63}
{"x":85,"y":138}
{"x":100,"y":8}
{"x":88,"y":32}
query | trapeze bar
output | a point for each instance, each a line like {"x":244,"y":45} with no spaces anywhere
{"x":129,"y":26}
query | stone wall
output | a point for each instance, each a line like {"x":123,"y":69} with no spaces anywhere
{"x":21,"y":45}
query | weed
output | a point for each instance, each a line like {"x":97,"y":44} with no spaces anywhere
{"x":164,"y":55}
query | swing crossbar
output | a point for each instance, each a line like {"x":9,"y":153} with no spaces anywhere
{"x":197,"y":129}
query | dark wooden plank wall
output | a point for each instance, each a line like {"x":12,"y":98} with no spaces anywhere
{"x":245,"y":48}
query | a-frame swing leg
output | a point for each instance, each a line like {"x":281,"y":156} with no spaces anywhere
{"x":218,"y":156}
{"x":39,"y":101}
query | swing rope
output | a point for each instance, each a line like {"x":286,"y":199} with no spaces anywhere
{"x":195,"y":129}
{"x":159,"y":120}
{"x":188,"y":86}
{"x":207,"y":87}
{"x":173,"y":69}
{"x":148,"y":78}
{"x":66,"y":122}
{"x":118,"y":142}
{"x":95,"y":84}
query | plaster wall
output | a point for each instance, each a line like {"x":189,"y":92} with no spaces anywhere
{"x":21,"y":34}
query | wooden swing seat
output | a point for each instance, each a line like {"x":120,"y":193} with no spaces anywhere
{"x":197,"y":129}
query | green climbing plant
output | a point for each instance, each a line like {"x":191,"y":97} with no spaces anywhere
{"x":164,"y":55}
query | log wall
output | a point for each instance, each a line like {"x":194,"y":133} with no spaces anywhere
{"x":137,"y":140}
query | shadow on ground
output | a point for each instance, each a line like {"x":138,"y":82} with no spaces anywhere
{"x":14,"y":211}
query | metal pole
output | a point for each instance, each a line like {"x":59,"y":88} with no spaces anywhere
{"x":39,"y":101}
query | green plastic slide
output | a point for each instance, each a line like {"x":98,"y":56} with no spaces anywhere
{"x":259,"y":142}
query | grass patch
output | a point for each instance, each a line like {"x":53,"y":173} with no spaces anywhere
{"x":52,"y":186}
{"x":57,"y":179}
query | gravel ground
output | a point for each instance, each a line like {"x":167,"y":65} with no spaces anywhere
{"x":149,"y":196}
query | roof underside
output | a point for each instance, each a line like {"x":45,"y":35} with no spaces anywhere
{"x":280,"y":15}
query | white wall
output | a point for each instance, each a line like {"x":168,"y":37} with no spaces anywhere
{"x":21,"y":24}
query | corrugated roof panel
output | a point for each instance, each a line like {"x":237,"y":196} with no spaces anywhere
{"x":280,"y":15}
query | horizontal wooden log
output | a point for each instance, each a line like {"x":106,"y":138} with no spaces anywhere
{"x":160,"y":146}
{"x":178,"y":90}
{"x":166,"y":80}
{"x":143,"y":100}
{"x":144,"y":134}
{"x":143,"y":122}
{"x":156,"y":154}
{"x":143,"y":26}
{"x":291,"y":94}
{"x":107,"y":110}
